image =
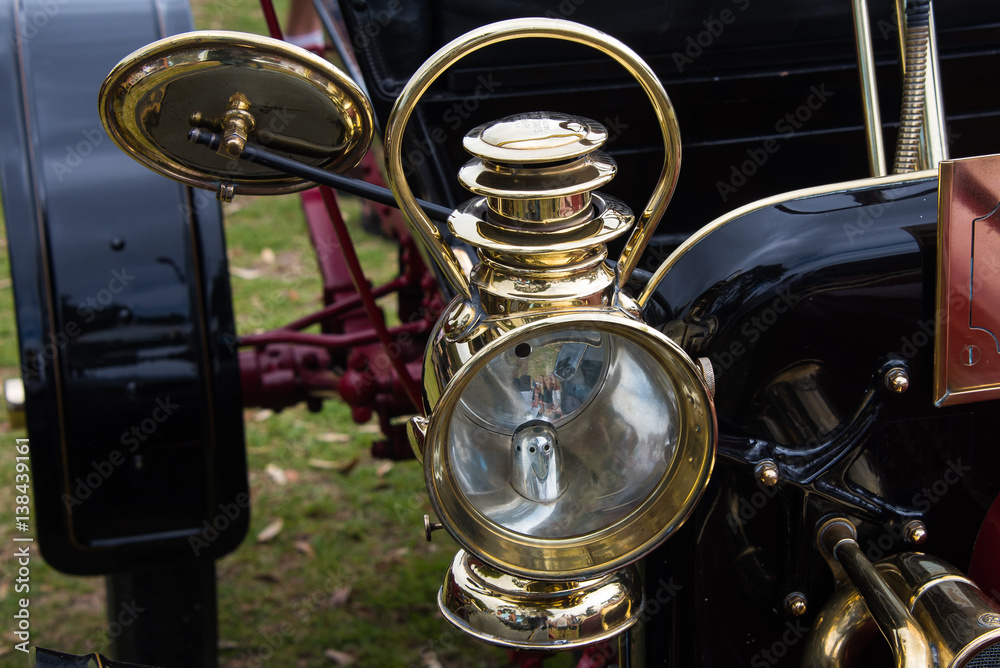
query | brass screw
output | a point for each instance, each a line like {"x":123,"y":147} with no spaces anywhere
{"x":796,"y":603}
{"x":767,"y":473}
{"x":915,"y":532}
{"x":897,"y":380}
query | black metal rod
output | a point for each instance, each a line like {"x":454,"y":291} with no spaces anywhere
{"x":266,"y":158}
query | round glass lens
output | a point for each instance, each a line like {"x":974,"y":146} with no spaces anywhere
{"x":564,"y":434}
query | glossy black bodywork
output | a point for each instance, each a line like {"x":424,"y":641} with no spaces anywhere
{"x":773,"y":83}
{"x":801,"y":305}
{"x":124,"y":315}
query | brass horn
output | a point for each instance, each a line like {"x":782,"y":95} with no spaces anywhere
{"x":930,"y":613}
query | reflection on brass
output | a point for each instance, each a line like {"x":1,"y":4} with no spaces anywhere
{"x":416,"y":430}
{"x":430,"y":527}
{"x":253,"y":89}
{"x":224,"y":192}
{"x":707,"y":373}
{"x":511,"y":611}
{"x":926,"y":143}
{"x":539,"y":228}
{"x":496,"y":142}
{"x":767,"y":473}
{"x":237,"y":123}
{"x":897,"y":380}
{"x":915,"y":532}
{"x":907,"y":639}
{"x":796,"y":604}
{"x":959,"y":622}
{"x":967,"y":321}
{"x":869,"y":88}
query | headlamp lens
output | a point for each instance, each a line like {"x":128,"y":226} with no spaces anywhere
{"x":564,"y":434}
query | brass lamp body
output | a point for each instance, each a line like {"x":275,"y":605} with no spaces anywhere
{"x":540,"y":567}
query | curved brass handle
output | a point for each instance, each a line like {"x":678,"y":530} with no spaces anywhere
{"x":503,"y":31}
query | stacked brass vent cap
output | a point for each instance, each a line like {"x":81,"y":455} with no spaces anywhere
{"x":539,"y":227}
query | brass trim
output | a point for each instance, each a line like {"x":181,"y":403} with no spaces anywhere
{"x":910,"y":647}
{"x":657,"y":517}
{"x":510,"y":611}
{"x":154,"y":94}
{"x":966,"y":351}
{"x":503,"y":31}
{"x":933,"y":136}
{"x":814,"y":191}
{"x":869,"y":88}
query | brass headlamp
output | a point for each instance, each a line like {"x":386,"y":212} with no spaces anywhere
{"x":565,"y":439}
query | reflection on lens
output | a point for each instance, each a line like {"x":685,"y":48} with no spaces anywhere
{"x":596,"y":423}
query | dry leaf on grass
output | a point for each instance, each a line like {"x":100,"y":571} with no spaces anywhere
{"x":430,"y":660}
{"x":262,"y":414}
{"x":276,"y":473}
{"x":305,"y":548}
{"x":291,"y":475}
{"x":342,"y":467}
{"x":370,"y":429}
{"x":338,"y":657}
{"x":341,"y":597}
{"x":245,"y":274}
{"x":384,"y":468}
{"x":267,"y":256}
{"x":333,"y":437}
{"x":270,"y":531}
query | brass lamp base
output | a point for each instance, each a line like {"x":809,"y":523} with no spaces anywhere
{"x":511,"y":611}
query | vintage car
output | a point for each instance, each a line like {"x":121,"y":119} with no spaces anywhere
{"x":696,"y":377}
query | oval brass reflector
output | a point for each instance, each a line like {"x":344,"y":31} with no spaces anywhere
{"x":302,"y":107}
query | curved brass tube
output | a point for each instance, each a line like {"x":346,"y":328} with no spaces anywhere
{"x":503,"y":31}
{"x":910,"y":647}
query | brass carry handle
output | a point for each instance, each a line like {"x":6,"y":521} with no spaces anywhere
{"x":503,"y":31}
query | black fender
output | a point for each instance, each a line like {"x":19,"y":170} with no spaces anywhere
{"x":124,"y":314}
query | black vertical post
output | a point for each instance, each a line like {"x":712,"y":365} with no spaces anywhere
{"x":164,"y":615}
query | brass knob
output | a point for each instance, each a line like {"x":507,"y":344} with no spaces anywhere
{"x":796,"y":604}
{"x":767,"y":473}
{"x":897,"y":380}
{"x":237,"y":123}
{"x":915,"y":532}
